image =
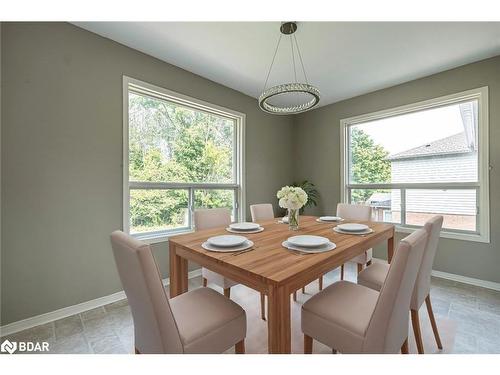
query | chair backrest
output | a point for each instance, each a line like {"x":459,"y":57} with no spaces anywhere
{"x":154,"y":324}
{"x":208,"y":218}
{"x":423,"y":283}
{"x":388,"y":327}
{"x":354,"y":211}
{"x":261,"y":212}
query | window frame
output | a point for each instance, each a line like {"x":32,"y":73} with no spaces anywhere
{"x":480,"y":94}
{"x":238,"y":186}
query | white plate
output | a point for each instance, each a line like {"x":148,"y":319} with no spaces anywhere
{"x":353,"y":227}
{"x":244,"y":226}
{"x":330,"y":218}
{"x":329,"y":222}
{"x":308,"y":241}
{"x":367,"y":231}
{"x":326,"y":247}
{"x":226,"y":240}
{"x":258,"y":230}
{"x":245,"y":245}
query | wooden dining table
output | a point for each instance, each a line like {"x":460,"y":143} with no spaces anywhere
{"x":272,"y":269}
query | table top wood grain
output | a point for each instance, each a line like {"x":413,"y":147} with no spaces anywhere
{"x":269,"y":262}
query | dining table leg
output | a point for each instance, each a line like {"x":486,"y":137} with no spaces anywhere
{"x":279,"y":323}
{"x":178,"y":273}
{"x":390,"y":248}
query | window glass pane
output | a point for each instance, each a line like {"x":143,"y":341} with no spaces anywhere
{"x":434,"y":145}
{"x":215,"y":198}
{"x":458,"y":207}
{"x":173,"y":143}
{"x":386,"y":204}
{"x":155,"y":210}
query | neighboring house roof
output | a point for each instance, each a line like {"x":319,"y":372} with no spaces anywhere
{"x":380,"y":200}
{"x":455,"y":144}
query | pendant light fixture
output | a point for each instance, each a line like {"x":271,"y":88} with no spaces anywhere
{"x":295,"y":90}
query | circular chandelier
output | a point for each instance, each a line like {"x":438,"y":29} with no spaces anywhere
{"x":295,"y":88}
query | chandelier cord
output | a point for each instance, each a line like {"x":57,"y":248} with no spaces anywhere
{"x":300,"y":57}
{"x":294,"y":69}
{"x":294,"y":89}
{"x":293,"y":60}
{"x":272,"y":62}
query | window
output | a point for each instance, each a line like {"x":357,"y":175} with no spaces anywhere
{"x":180,"y":154}
{"x":413,"y":162}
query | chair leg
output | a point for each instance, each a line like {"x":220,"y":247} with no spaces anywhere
{"x":263,"y":306}
{"x":369,"y":263}
{"x":308,"y":344}
{"x":239,"y":348}
{"x":433,"y":321}
{"x":295,"y":296}
{"x":205,"y":282}
{"x":360,"y":268}
{"x":320,"y":280}
{"x":342,"y":272}
{"x":137,"y":351}
{"x":416,"y":330}
{"x":227,"y":292}
{"x":404,"y":348}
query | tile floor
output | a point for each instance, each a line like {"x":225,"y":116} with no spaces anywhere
{"x":468,"y":318}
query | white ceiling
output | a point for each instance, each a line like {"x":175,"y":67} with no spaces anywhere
{"x":342,"y":59}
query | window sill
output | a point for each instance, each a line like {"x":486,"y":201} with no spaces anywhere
{"x":152,"y":238}
{"x":473,"y":237}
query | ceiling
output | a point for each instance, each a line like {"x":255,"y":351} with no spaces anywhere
{"x":343,"y":59}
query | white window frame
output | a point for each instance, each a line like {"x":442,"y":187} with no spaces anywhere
{"x":238,"y":162}
{"x":482,"y":186}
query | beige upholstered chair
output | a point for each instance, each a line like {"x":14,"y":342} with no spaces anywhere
{"x":176,"y":325}
{"x":374,"y":276}
{"x":351,"y":212}
{"x":356,"y":212}
{"x":207,"y":219}
{"x":261,"y":212}
{"x":352,"y":318}
{"x":213,"y":218}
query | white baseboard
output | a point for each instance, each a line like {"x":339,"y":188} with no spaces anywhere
{"x":21,"y":325}
{"x":459,"y":278}
{"x":467,"y":280}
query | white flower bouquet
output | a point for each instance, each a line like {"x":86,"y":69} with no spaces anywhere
{"x":293,"y":199}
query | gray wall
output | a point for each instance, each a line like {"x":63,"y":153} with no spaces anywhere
{"x":62,"y":156}
{"x":0,"y":172}
{"x":316,"y":143}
